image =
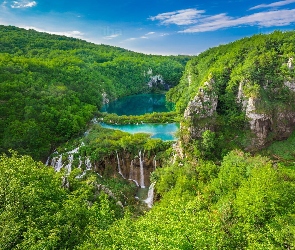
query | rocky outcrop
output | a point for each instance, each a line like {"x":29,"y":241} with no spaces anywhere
{"x":263,"y":122}
{"x":201,"y":110}
{"x":260,"y":124}
{"x":266,"y":125}
{"x":136,"y":168}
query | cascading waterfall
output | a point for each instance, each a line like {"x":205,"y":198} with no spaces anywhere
{"x":155,"y":162}
{"x":47,"y":161}
{"x":68,"y":167}
{"x":119,"y":166}
{"x":131,"y":170}
{"x":80,"y":162}
{"x":141,"y":170}
{"x":150,"y":199}
{"x":58,"y":164}
{"x":88,"y":164}
{"x":131,"y":173}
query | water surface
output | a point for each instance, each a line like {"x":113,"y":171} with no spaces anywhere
{"x":137,"y":105}
{"x":165,"y":132}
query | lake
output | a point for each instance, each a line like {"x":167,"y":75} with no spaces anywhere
{"x":137,"y":105}
{"x":165,"y":132}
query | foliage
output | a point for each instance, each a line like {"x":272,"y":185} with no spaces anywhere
{"x":36,"y":212}
{"x":102,"y":143}
{"x":255,"y":67}
{"x":242,"y":204}
{"x":51,"y":86}
{"x":163,"y":117}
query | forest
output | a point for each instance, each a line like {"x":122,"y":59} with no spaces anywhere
{"x":213,"y":190}
{"x":51,"y":86}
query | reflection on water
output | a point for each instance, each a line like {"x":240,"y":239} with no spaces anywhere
{"x":137,"y":105}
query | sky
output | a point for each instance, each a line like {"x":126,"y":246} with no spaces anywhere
{"x":166,"y":27}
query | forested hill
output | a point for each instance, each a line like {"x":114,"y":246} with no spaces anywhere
{"x":239,"y":95}
{"x":51,"y":85}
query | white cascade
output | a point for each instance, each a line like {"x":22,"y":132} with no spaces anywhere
{"x":88,"y":164}
{"x":53,"y":161}
{"x":47,"y":161}
{"x":150,"y":199}
{"x":131,"y":170}
{"x":88,"y":167}
{"x":119,"y":166}
{"x":155,"y":162}
{"x":141,"y":170}
{"x":58,"y":164}
{"x":131,"y":177}
{"x":80,"y":162}
{"x":68,"y":167}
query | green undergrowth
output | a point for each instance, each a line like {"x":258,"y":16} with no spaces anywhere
{"x":283,"y":151}
{"x":155,"y":117}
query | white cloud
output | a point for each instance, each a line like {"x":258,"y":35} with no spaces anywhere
{"x":73,"y":33}
{"x":111,"y":36}
{"x":23,"y":4}
{"x":262,"y":19}
{"x":273,"y":5}
{"x":130,"y":39}
{"x":179,"y":17}
{"x":145,"y":36}
{"x":150,"y":33}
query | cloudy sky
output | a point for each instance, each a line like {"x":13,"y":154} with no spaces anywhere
{"x":154,"y":26}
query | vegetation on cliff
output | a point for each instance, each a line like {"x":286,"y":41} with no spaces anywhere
{"x":243,"y":92}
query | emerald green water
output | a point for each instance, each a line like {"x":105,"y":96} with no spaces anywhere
{"x":137,"y":105}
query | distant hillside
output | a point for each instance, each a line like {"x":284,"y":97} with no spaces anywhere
{"x":51,"y":85}
{"x":239,"y":95}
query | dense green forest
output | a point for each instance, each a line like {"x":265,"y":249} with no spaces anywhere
{"x":51,"y":86}
{"x":210,"y":193}
{"x":226,"y":79}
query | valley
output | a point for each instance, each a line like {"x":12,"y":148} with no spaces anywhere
{"x":95,"y":156}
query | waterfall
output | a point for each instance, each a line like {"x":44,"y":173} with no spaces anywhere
{"x":155,"y":162}
{"x":150,"y":199}
{"x":88,"y":164}
{"x":68,"y":167}
{"x":47,"y":161}
{"x":131,"y":173}
{"x":141,"y":170}
{"x":58,"y":164}
{"x":80,"y":162}
{"x":131,"y":170}
{"x":119,"y":167}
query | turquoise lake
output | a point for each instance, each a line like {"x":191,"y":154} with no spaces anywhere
{"x":137,"y":105}
{"x":166,"y":131}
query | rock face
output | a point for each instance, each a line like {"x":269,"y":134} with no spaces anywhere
{"x":134,"y":168}
{"x":260,"y":124}
{"x":201,"y":111}
{"x":264,"y":124}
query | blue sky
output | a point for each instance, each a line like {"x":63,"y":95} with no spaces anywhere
{"x":153,"y":27}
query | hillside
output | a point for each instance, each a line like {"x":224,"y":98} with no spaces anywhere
{"x":51,"y":86}
{"x":241,"y":94}
{"x":227,"y":183}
